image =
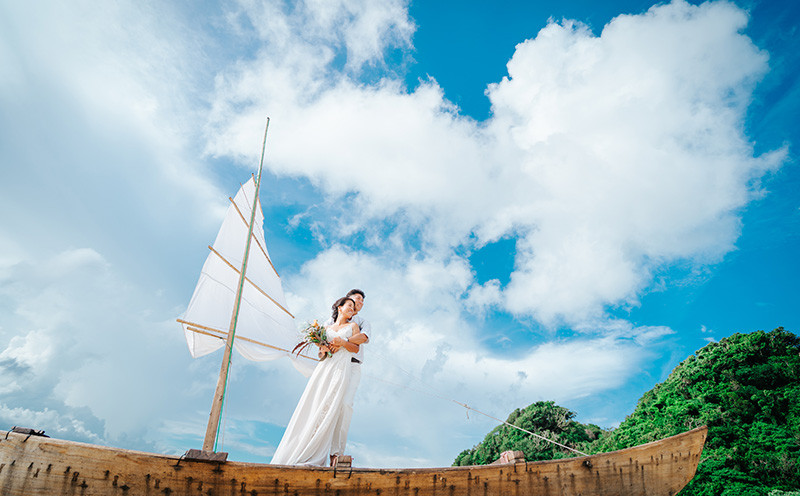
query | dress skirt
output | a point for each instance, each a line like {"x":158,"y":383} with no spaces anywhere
{"x":318,"y":417}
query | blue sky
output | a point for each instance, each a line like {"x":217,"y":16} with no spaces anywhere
{"x":543,"y":201}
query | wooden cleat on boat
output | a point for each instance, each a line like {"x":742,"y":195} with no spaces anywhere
{"x":510,"y":457}
{"x":205,"y":456}
{"x":27,"y":431}
{"x":343,"y":461}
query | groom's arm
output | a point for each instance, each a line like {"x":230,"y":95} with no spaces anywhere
{"x":349,"y":345}
{"x":353,"y":343}
{"x":359,"y":338}
{"x":365,"y":330}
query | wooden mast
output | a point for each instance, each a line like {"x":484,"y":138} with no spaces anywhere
{"x":209,"y":444}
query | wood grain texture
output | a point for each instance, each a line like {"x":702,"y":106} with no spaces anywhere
{"x":32,"y":466}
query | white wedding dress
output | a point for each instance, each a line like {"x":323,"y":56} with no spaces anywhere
{"x":310,"y":433}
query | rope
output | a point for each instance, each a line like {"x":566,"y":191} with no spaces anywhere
{"x":436,"y":394}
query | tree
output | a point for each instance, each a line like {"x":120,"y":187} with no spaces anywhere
{"x":746,"y":389}
{"x":544,"y":418}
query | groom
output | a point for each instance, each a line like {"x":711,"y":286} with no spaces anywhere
{"x":343,"y":424}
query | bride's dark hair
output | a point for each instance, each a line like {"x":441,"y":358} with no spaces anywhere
{"x":339,"y":303}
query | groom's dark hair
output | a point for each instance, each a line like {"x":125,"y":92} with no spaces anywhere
{"x":356,"y":291}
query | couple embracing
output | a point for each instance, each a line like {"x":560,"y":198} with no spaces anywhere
{"x":319,"y":425}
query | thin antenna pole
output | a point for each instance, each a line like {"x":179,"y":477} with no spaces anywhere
{"x":212,"y":430}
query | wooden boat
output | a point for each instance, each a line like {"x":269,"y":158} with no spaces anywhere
{"x":31,"y":465}
{"x":245,"y":308}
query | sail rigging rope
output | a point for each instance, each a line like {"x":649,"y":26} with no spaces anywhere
{"x":431,"y":392}
{"x":434,"y":393}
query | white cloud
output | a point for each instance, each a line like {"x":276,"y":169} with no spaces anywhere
{"x":426,"y":349}
{"x":606,"y":156}
{"x":31,"y":351}
{"x":646,"y":114}
{"x":57,"y":422}
{"x":88,"y":347}
{"x":483,"y":297}
{"x":99,"y":130}
{"x":635,"y":141}
{"x":363,"y":29}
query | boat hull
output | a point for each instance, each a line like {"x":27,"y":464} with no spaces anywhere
{"x":32,"y":465}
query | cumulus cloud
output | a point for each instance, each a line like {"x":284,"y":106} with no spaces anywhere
{"x":361,"y":29}
{"x":96,"y":138}
{"x":75,"y":365}
{"x":426,"y":353}
{"x":606,"y":157}
{"x":117,"y":374}
{"x":99,"y":175}
{"x":635,"y":139}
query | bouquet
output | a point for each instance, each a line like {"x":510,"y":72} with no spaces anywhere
{"x":314,"y":333}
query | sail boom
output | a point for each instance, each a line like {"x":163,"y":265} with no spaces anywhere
{"x":216,"y":333}
{"x":194,"y":324}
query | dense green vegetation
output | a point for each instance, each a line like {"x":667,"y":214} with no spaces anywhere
{"x":544,"y":418}
{"x":746,"y":389}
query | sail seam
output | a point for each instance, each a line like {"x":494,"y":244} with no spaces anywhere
{"x":258,"y":243}
{"x":251,"y":282}
{"x":253,"y":306}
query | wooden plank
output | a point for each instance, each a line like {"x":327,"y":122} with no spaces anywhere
{"x":44,"y":466}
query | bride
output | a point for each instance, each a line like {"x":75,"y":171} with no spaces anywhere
{"x":309,"y":436}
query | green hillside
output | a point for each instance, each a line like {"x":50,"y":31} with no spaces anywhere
{"x":746,"y":389}
{"x":544,"y":418}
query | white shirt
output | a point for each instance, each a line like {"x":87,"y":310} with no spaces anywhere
{"x":365,"y":328}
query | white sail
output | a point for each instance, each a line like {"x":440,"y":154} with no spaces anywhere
{"x":265,"y":329}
